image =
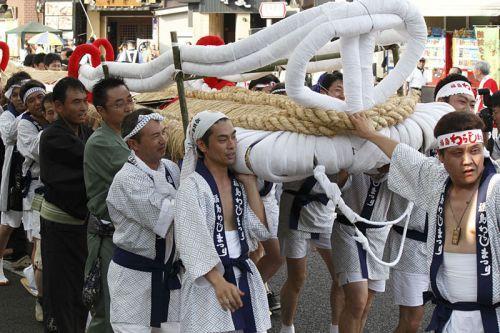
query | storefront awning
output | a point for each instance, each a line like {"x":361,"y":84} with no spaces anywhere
{"x":458,"y":7}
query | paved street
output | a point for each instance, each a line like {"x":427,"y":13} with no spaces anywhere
{"x":17,"y":306}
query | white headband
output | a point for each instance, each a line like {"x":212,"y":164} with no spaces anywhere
{"x":460,"y":138}
{"x":31,"y":91}
{"x":141,"y":122}
{"x":198,"y":126}
{"x":454,"y":88}
{"x":8,"y":93}
{"x":265,"y":85}
{"x":278,"y":91}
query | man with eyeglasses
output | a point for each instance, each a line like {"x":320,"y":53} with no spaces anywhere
{"x":105,"y":154}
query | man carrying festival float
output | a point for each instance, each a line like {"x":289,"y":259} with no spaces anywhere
{"x":29,"y":129}
{"x":10,"y":194}
{"x":456,"y":90}
{"x":359,"y":275}
{"x":219,"y":216}
{"x":306,"y":221}
{"x":283,"y":139}
{"x":143,"y":280}
{"x":410,"y":276}
{"x":462,"y":199}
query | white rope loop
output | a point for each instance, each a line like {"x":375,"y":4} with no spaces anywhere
{"x":333,"y":193}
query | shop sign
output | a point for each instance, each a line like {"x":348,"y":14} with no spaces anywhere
{"x":118,"y":3}
{"x":270,"y":10}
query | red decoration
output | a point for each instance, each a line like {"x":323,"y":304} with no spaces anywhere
{"x":5,"y":55}
{"x":110,"y":52}
{"x":76,"y":57}
{"x":214,"y":82}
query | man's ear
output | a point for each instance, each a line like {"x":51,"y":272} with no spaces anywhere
{"x":440,"y":155}
{"x":58,"y":106}
{"x":133,"y":144}
{"x":100,"y":110}
{"x":201,"y":146}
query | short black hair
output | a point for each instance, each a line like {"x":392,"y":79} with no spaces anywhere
{"x":60,"y":89}
{"x":495,"y":99}
{"x":47,"y":98}
{"x":458,"y":121}
{"x":16,"y":78}
{"x":28,"y":85}
{"x":39,"y":58}
{"x":131,"y":120}
{"x":329,"y":79}
{"x":448,"y":79}
{"x":206,"y":137}
{"x":268,"y":79}
{"x":28,"y":60}
{"x":50,"y":58}
{"x":100,"y":90}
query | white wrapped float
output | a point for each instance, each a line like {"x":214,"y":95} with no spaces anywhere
{"x":288,"y":145}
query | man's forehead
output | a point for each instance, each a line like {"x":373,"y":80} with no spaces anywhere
{"x":223,"y":127}
{"x":37,"y":94}
{"x":470,"y":98}
{"x":465,"y":147}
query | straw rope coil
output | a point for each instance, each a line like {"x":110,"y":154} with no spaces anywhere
{"x":261,"y":111}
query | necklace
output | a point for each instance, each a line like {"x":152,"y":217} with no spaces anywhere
{"x":455,"y":238}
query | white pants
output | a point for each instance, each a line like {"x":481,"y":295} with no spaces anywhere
{"x":133,"y":328}
{"x":12,"y":218}
{"x":351,"y":277}
{"x":299,"y":248}
{"x":408,"y":288}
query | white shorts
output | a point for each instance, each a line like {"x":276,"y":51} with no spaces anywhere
{"x":12,"y":218}
{"x":299,"y":248}
{"x":31,"y":221}
{"x":134,"y":328}
{"x":409,"y":287}
{"x":350,"y":277}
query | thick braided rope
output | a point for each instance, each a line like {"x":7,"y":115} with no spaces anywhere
{"x":261,"y":111}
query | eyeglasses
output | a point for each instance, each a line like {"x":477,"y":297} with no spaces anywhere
{"x":121,"y":104}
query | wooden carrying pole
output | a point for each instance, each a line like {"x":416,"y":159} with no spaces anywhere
{"x":179,"y":80}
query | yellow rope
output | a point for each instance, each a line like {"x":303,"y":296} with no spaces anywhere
{"x":261,"y":111}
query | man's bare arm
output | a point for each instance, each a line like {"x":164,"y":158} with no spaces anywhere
{"x":253,"y":196}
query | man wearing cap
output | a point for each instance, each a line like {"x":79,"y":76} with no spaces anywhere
{"x":461,"y":196}
{"x":219,"y":216}
{"x":10,"y":199}
{"x":417,"y":79}
{"x":144,"y":286}
{"x":456,"y":90}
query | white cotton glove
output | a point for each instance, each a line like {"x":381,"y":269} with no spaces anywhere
{"x":360,"y":238}
{"x":162,"y":185}
{"x":331,"y":190}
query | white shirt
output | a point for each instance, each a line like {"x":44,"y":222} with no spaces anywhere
{"x":416,"y":79}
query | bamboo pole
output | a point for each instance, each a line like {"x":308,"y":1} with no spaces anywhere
{"x":179,"y":80}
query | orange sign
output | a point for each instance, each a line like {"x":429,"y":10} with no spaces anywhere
{"x":118,"y":3}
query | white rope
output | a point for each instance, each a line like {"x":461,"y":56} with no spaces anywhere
{"x":333,"y":193}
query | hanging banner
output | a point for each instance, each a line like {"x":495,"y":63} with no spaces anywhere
{"x":489,"y":48}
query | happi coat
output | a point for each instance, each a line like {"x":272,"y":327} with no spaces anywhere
{"x":140,"y":205}
{"x":195,"y":224}
{"x":420,"y":179}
